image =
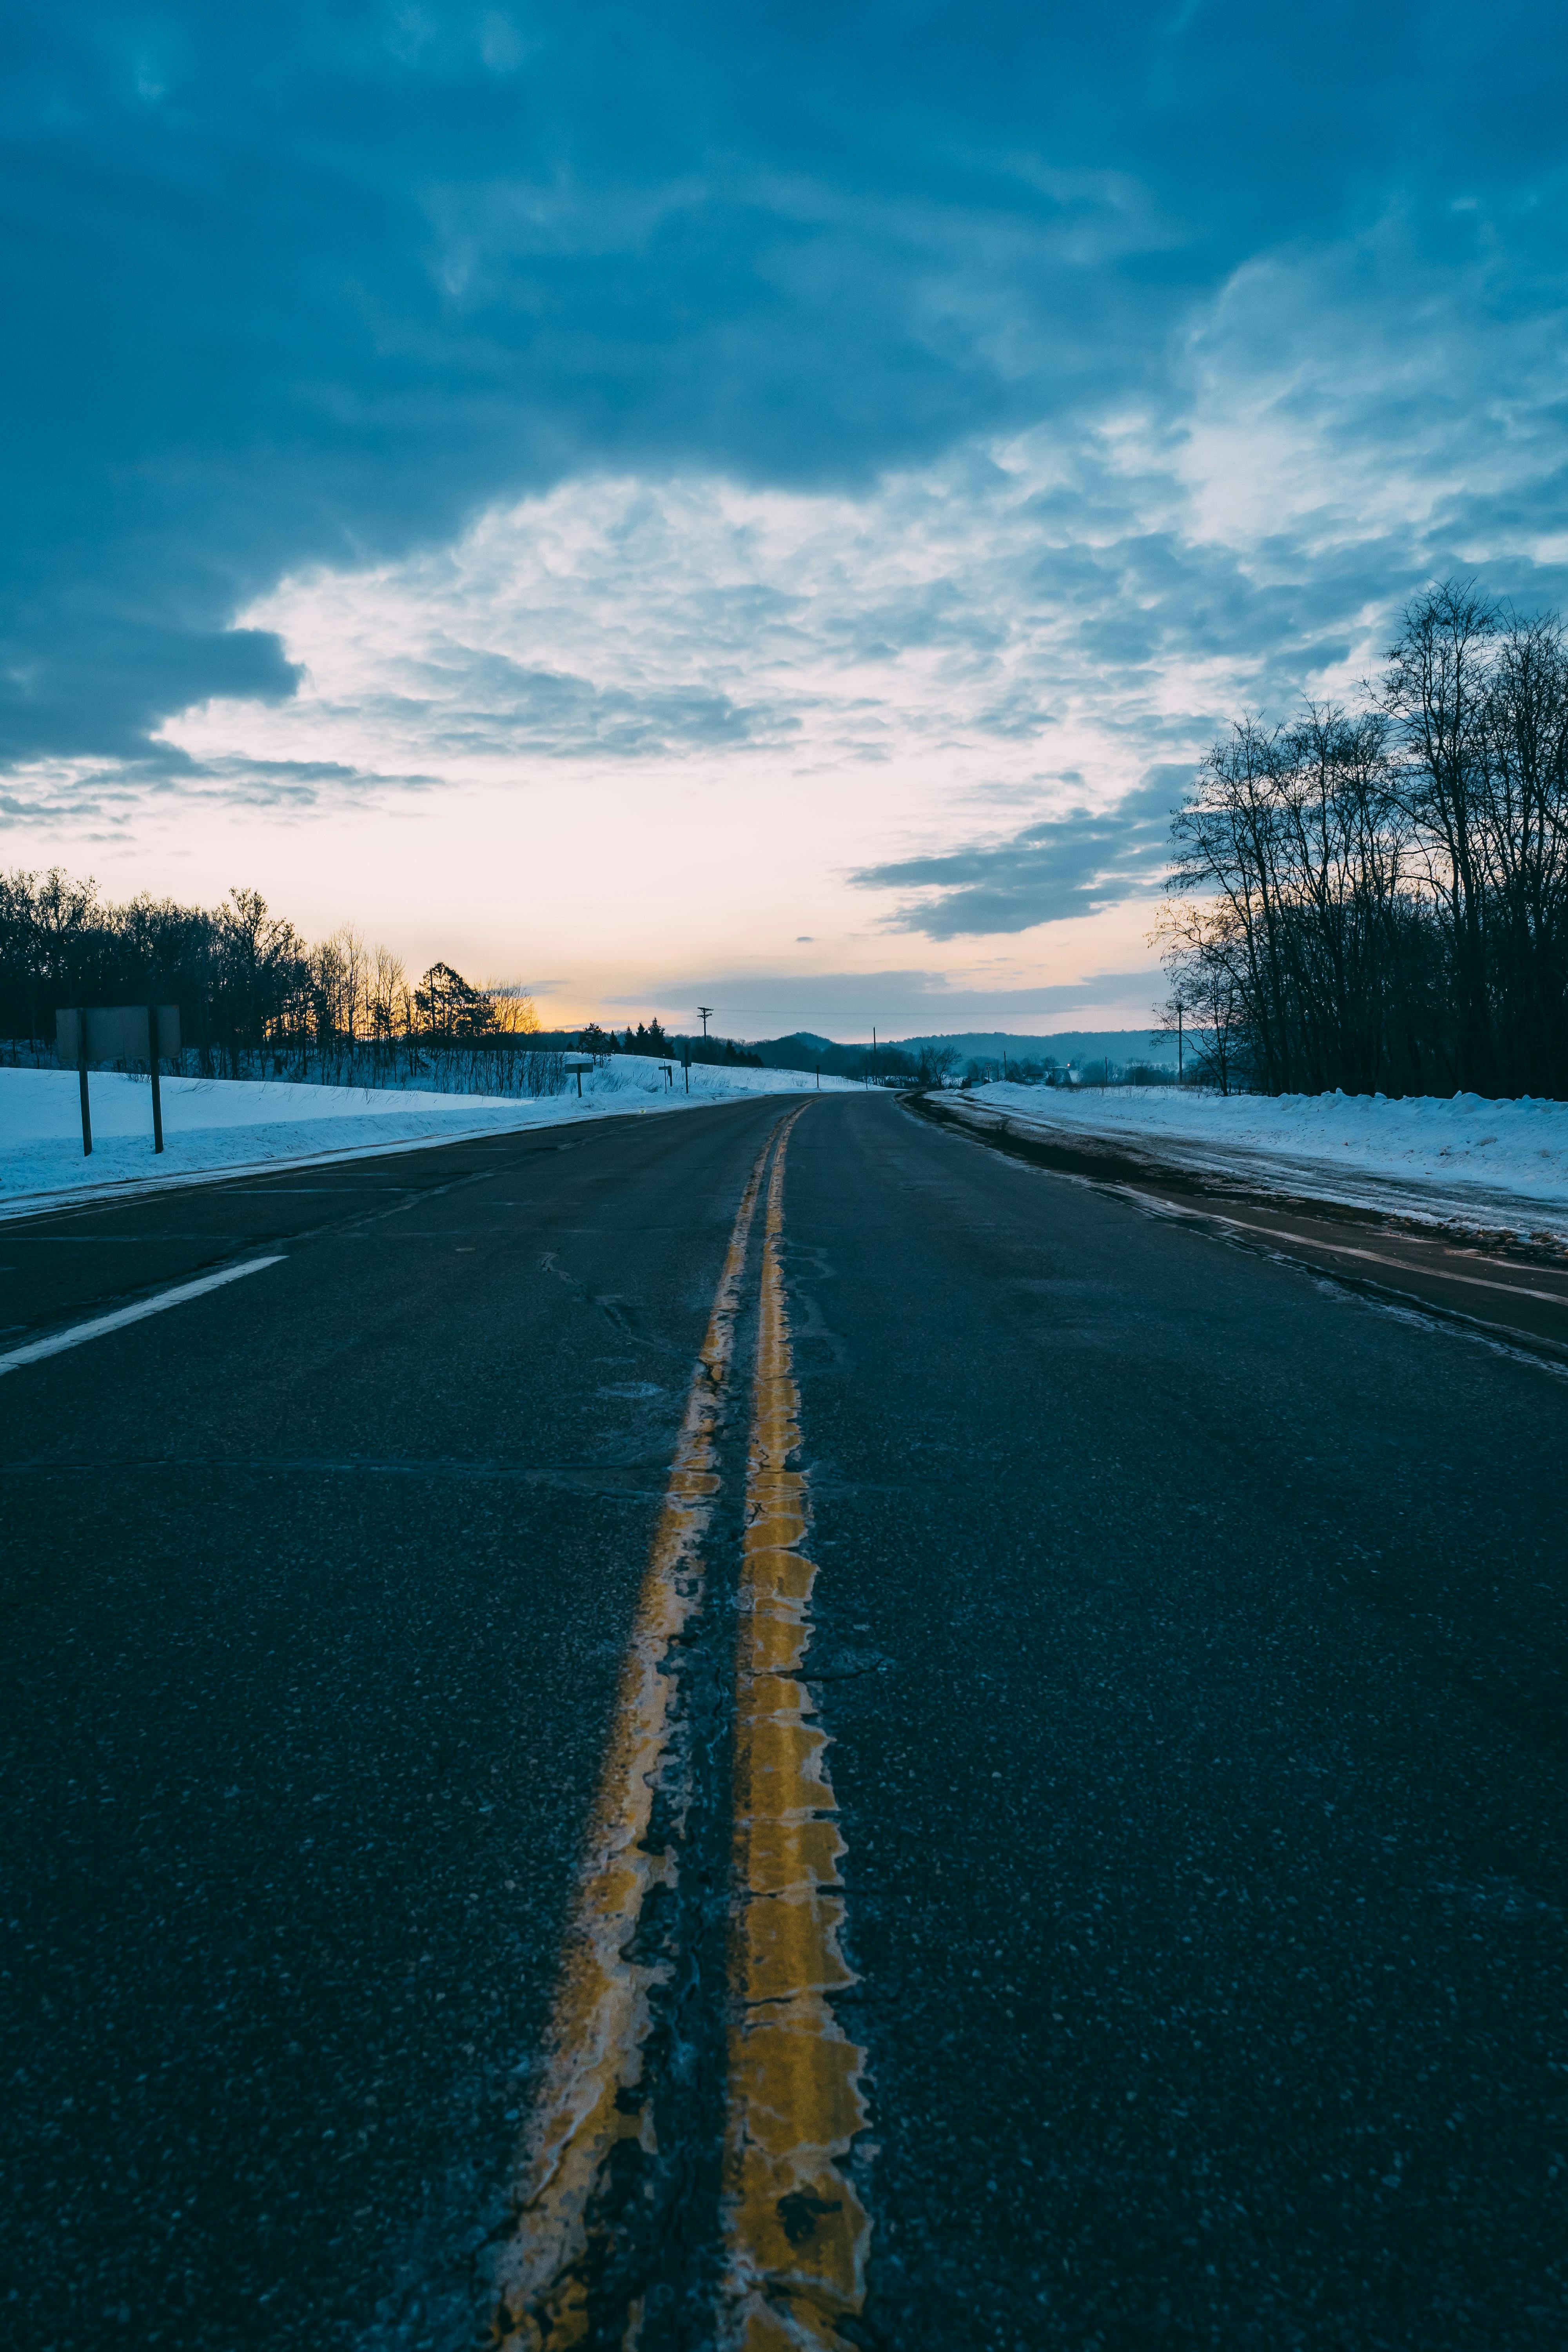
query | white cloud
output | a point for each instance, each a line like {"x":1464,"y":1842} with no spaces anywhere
{"x":636,"y":718}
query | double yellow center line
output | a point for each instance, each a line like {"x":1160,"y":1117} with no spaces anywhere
{"x":794,"y":2232}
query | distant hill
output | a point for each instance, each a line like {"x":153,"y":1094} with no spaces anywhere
{"x":803,"y":1049}
{"x":1062,"y":1045}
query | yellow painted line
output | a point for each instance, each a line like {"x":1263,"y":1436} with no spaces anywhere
{"x":601,"y":2018}
{"x":796,"y":2233}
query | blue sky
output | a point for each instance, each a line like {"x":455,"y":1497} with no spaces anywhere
{"x":766,"y":502}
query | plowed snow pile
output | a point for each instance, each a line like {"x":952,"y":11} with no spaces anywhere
{"x":1455,"y":1158}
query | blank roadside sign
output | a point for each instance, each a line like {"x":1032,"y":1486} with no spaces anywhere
{"x":115,"y":1033}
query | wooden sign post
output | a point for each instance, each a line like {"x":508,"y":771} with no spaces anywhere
{"x":82,"y":1079}
{"x":118,"y":1033}
{"x":152,"y":1043}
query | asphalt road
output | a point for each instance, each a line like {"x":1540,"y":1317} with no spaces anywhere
{"x":1513,"y":1286}
{"x":1188,"y":1631}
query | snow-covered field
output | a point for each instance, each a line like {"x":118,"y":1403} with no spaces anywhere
{"x":225,"y":1126}
{"x":1462,"y":1158}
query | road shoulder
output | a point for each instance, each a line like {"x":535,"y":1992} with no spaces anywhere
{"x":1502,"y":1284}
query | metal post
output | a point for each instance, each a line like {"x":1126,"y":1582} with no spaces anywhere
{"x":81,"y":1075}
{"x":153,"y":1066}
{"x":579,"y":1086}
{"x":686,"y":1065}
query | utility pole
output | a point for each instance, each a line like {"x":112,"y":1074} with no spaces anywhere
{"x":1178,"y":1041}
{"x":703,"y":1012}
{"x":876,"y":1072}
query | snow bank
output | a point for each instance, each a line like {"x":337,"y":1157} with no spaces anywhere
{"x":226,"y":1126}
{"x":1454,"y":1157}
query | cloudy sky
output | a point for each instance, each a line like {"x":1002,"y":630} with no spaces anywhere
{"x":756,"y":503}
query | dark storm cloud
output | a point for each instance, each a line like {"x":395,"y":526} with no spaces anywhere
{"x":289,"y":284}
{"x":1060,"y":867}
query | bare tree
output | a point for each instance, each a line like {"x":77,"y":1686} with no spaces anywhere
{"x":1524,"y":847}
{"x":1207,"y":962}
{"x":1436,"y":689}
{"x":515,"y":1015}
{"x":935,"y":1064}
{"x":1381,"y":895}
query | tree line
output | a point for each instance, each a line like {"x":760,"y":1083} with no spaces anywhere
{"x":254,"y":996}
{"x":257,"y":1000}
{"x":1375,"y":897}
{"x":651,"y":1040}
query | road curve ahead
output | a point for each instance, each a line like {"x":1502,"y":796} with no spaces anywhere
{"x":769,"y":1729}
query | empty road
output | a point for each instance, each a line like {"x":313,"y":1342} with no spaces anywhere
{"x":769,"y":1727}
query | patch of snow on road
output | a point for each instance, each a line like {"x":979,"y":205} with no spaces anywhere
{"x":1459,"y":1157}
{"x":214,"y":1127}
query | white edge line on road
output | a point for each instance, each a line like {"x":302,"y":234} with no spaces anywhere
{"x":37,"y":1348}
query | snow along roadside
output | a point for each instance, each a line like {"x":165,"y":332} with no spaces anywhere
{"x":219,"y":1129}
{"x":1460,"y":1160}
